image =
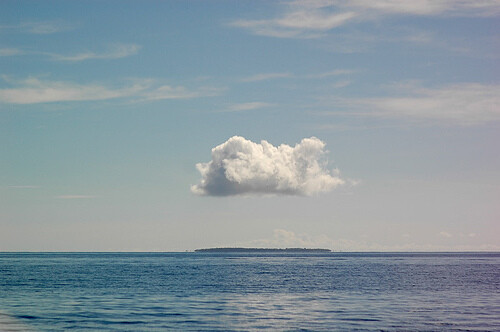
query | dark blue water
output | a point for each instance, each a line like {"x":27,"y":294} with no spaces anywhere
{"x":210,"y":292}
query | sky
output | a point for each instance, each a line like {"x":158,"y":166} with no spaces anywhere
{"x":175,"y":125}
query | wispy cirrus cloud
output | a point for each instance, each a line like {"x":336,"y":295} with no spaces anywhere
{"x":461,"y":104}
{"x":75,"y":196}
{"x":336,"y":72}
{"x":34,"y":91}
{"x":38,"y":27}
{"x":43,"y":28}
{"x":180,"y":92}
{"x":426,"y":7}
{"x":296,"y":24}
{"x":114,"y":51}
{"x":271,"y":76}
{"x":247,"y":106}
{"x":265,"y":76}
{"x":23,"y":187}
{"x":312,"y":19}
{"x":341,"y":84}
{"x":8,"y":51}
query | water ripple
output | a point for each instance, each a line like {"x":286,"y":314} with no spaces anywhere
{"x":334,"y":292}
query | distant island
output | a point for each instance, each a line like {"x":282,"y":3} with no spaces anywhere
{"x":246,"y":250}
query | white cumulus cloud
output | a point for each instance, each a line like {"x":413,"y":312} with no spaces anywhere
{"x":242,"y":167}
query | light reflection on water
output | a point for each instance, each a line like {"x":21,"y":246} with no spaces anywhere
{"x":59,"y":292}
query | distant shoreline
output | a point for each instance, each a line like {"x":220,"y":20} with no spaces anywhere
{"x":245,"y":250}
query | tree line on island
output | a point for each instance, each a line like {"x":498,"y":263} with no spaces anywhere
{"x":245,"y":250}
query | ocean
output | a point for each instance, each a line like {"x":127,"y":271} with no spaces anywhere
{"x":250,"y":292}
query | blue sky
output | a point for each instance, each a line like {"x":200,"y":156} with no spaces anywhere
{"x":360,"y":125}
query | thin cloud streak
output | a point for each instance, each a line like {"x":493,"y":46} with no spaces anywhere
{"x":38,"y":27}
{"x":180,"y":92}
{"x":115,"y":51}
{"x":44,"y":28}
{"x":24,"y":187}
{"x":34,"y":91}
{"x":296,"y":24}
{"x":463,"y":104}
{"x":336,"y":72}
{"x":271,"y":76}
{"x":312,"y":19}
{"x":10,"y":51}
{"x":341,"y":84}
{"x":75,"y":197}
{"x":428,"y":8}
{"x":247,"y":106}
{"x":266,"y":76}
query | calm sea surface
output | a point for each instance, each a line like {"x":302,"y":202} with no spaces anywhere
{"x":240,"y":292}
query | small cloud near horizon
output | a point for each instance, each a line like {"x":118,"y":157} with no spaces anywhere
{"x":283,"y":238}
{"x":445,"y":234}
